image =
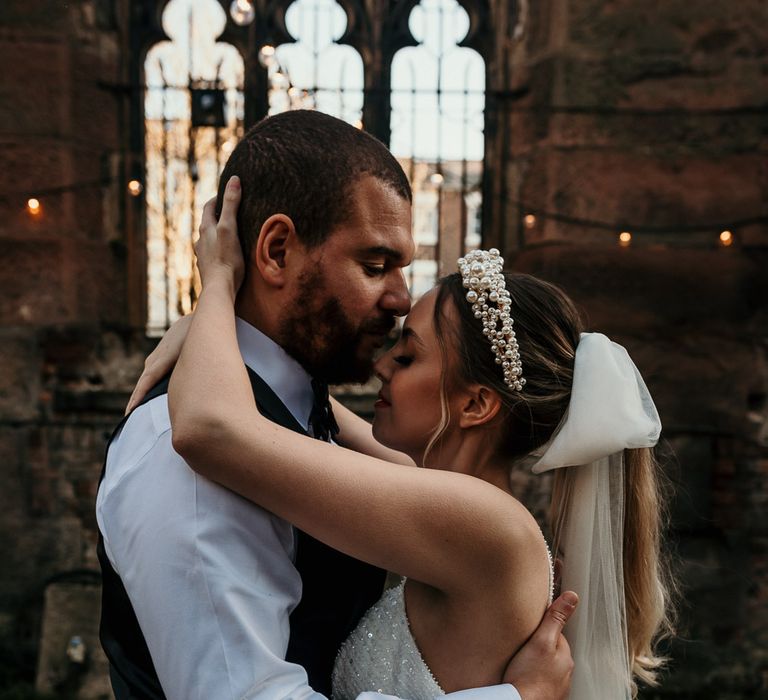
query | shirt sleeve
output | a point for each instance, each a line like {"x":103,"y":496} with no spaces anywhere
{"x":210,"y":575}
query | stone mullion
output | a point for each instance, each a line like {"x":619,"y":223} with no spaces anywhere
{"x":145,"y":30}
{"x":267,"y":28}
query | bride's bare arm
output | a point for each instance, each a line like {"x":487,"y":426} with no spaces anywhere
{"x":160,"y":361}
{"x":449,"y":530}
{"x":452,"y":531}
{"x":354,"y":432}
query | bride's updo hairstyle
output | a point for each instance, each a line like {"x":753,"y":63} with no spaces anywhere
{"x":548,"y":325}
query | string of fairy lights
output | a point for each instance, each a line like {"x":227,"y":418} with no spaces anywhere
{"x":625,"y":237}
{"x":243,"y":13}
{"x":723,"y":233}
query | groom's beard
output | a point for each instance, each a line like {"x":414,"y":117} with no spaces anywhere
{"x":323,"y":339}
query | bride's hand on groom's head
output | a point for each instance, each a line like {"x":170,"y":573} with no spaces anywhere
{"x":218,"y":247}
{"x":218,"y":253}
{"x":542,"y":668}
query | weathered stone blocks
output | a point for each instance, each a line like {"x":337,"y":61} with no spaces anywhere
{"x":71,"y":660}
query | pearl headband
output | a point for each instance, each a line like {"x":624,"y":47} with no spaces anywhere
{"x":482,"y":274}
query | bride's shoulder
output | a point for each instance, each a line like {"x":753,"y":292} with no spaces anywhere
{"x":514,"y":521}
{"x":513,"y":575}
{"x":507,"y":535}
{"x":523,"y":542}
{"x":523,"y":565}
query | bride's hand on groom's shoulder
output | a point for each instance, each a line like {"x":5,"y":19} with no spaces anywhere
{"x":542,"y":668}
{"x":161,"y":360}
{"x":218,"y":248}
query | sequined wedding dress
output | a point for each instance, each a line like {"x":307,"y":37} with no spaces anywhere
{"x":381,"y":655}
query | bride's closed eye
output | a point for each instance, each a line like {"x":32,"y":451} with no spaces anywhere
{"x":403,"y":360}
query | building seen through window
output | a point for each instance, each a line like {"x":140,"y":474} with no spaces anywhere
{"x":437,"y":133}
{"x":315,"y":72}
{"x":193,"y":118}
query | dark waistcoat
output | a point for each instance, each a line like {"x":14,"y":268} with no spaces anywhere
{"x":336,"y":591}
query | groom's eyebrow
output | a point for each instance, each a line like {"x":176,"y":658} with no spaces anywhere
{"x":384,"y":251}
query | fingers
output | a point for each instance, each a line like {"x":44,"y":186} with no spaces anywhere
{"x":228,"y":217}
{"x":208,"y":219}
{"x":556,"y":616}
{"x":145,"y":383}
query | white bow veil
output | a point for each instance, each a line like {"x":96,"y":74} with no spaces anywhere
{"x":610,"y":410}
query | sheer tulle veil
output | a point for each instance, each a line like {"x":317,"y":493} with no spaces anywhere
{"x":610,"y":410}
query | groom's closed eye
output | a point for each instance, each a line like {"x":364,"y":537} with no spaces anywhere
{"x":375,"y":269}
{"x":383,"y":254}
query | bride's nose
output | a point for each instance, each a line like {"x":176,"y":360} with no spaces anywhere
{"x":382,"y":368}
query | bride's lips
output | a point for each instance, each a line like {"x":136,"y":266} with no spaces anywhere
{"x":381,"y":402}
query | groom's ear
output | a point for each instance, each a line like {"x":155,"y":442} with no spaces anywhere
{"x":479,"y":406}
{"x":275,"y":245}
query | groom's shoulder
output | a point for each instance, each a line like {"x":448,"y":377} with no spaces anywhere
{"x":143,"y":429}
{"x":150,"y":419}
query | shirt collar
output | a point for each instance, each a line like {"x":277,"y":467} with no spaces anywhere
{"x":286,"y":377}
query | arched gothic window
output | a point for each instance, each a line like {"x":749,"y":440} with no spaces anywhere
{"x":438,"y":98}
{"x":413,"y":74}
{"x":193,"y":117}
{"x":314,"y":71}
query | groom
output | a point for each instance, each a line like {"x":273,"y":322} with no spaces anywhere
{"x":205,"y":594}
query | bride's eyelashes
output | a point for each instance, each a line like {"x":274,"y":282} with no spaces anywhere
{"x":403,"y":360}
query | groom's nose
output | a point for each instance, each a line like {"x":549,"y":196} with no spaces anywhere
{"x":396,"y":298}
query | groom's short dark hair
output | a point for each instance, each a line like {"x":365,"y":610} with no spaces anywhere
{"x":303,"y":163}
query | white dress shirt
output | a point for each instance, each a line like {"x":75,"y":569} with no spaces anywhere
{"x":210,"y":575}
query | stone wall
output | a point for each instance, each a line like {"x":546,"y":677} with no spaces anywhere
{"x":649,"y":116}
{"x":66,"y":354}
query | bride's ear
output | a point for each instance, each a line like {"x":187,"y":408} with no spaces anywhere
{"x":277,"y":240}
{"x":480,"y":406}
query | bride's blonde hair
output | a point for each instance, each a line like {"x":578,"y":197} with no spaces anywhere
{"x":548,"y":325}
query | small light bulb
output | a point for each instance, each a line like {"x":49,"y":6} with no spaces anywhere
{"x":33,"y":206}
{"x":625,"y":238}
{"x":726,"y":238}
{"x":280,"y":81}
{"x":436,"y":179}
{"x":135,"y":188}
{"x":266,"y":55}
{"x":242,"y":12}
{"x":529,"y":220}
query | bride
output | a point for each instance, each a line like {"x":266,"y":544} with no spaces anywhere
{"x":491,"y":371}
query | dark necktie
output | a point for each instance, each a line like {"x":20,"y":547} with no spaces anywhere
{"x":321,"y":418}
